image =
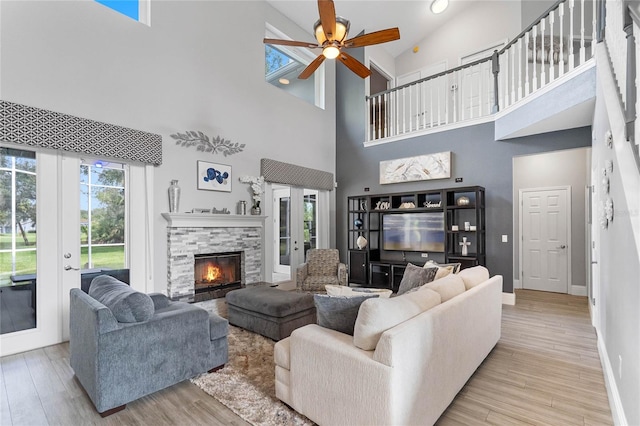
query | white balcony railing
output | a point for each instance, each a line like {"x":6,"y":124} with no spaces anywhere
{"x":559,"y":41}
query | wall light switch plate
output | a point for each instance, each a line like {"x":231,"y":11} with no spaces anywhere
{"x":505,"y":239}
{"x":424,"y":254}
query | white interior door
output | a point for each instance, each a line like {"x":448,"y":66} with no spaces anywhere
{"x":545,"y":229}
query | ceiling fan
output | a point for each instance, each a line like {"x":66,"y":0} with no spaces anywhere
{"x":330,"y":32}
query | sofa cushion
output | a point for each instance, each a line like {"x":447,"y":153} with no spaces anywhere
{"x":338,"y":312}
{"x":415,"y":276}
{"x":447,"y":287}
{"x":378,"y":315}
{"x":474,"y":276}
{"x":126,"y":304}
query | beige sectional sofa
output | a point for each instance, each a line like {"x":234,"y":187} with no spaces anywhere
{"x":414,"y":369}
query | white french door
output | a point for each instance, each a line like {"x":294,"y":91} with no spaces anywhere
{"x":300,"y":222}
{"x":57,"y":224}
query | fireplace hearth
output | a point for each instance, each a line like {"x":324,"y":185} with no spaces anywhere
{"x":215,"y":274}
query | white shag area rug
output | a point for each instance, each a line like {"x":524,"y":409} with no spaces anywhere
{"x":246,"y":384}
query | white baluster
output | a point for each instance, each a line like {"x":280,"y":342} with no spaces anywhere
{"x":404,"y":111}
{"x":594,"y":24}
{"x":513,"y":50}
{"x":582,"y":53}
{"x":561,"y":53}
{"x":552,"y":51}
{"x":520,"y":65}
{"x":507,"y":56}
{"x":534,"y":70}
{"x":454,"y":93}
{"x":431,"y":103}
{"x":370,"y":127}
{"x":571,"y":60}
{"x":380,"y":117}
{"x":387,"y":99}
{"x":526,"y":63}
{"x":543,"y":52}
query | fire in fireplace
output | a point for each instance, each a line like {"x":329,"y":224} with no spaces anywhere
{"x":217,"y":270}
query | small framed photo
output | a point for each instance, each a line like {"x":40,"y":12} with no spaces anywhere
{"x":214,"y":176}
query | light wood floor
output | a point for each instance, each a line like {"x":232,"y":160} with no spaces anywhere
{"x":544,"y":370}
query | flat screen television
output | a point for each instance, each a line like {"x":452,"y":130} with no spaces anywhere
{"x":422,"y":231}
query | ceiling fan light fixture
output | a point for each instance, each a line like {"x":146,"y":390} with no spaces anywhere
{"x":331,"y":52}
{"x":439,"y":6}
{"x":342,"y":29}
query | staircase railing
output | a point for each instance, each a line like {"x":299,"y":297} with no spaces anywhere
{"x":560,"y":40}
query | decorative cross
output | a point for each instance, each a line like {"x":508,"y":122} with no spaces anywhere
{"x":464,"y":245}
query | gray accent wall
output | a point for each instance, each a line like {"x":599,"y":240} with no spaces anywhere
{"x":476,"y":157}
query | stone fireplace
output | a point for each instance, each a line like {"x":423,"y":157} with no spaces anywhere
{"x":192,"y":237}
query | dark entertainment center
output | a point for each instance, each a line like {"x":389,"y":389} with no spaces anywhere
{"x":413,"y":227}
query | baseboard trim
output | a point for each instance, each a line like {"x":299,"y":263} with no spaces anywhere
{"x":508,"y":299}
{"x":615,"y":403}
{"x":579,"y":290}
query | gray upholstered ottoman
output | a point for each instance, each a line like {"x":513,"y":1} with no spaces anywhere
{"x":270,"y":312}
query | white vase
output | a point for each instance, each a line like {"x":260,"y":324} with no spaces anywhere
{"x":361,"y":242}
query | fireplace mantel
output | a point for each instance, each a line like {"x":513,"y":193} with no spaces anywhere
{"x":208,"y":220}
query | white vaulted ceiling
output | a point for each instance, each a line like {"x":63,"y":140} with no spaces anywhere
{"x":412,"y":17}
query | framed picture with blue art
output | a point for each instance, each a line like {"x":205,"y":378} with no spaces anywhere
{"x":214,"y":176}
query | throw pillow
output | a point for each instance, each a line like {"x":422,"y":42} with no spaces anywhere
{"x":379,"y":315}
{"x":474,"y":276}
{"x":126,"y":304}
{"x":444,"y":269}
{"x":338,"y":312}
{"x":447,"y":287}
{"x":415,"y":276}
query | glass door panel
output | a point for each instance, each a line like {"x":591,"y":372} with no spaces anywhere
{"x":282,"y":247}
{"x":18,"y":252}
{"x":102,"y":215}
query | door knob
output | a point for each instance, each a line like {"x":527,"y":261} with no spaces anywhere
{"x":562,"y":247}
{"x":69,"y":268}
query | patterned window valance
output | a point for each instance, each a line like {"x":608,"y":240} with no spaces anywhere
{"x":48,"y":129}
{"x":290,"y":174}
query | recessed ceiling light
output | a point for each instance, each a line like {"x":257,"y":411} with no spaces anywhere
{"x":438,"y":6}
{"x":283,"y":81}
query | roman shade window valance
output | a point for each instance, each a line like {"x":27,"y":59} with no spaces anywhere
{"x":290,"y":174}
{"x":27,"y":125}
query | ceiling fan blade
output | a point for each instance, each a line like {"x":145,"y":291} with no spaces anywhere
{"x":327,"y":12}
{"x":377,"y":37}
{"x":311,"y":68}
{"x":289,"y":42}
{"x":354,"y":65}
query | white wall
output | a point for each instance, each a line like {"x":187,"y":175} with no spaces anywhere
{"x":618,"y":252}
{"x":199,"y":66}
{"x":499,"y":20}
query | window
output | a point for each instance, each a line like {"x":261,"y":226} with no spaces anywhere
{"x":283,"y":64}
{"x":17,"y":239}
{"x":102,"y":215}
{"x":138,"y":10}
